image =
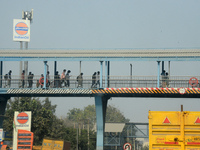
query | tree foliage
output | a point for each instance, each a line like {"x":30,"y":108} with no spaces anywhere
{"x":45,"y":124}
{"x":88,"y":113}
{"x":43,"y":116}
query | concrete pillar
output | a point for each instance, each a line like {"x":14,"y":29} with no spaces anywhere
{"x":100,"y":105}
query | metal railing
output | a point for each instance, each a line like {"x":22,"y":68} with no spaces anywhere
{"x":112,"y":82}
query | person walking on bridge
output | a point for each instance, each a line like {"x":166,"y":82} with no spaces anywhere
{"x":62,"y":79}
{"x":98,"y":79}
{"x":56,"y":80}
{"x":9,"y":78}
{"x":67,"y":78}
{"x":80,"y":80}
{"x":30,"y":80}
{"x":93,"y":80}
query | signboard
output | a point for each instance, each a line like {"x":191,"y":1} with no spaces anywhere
{"x":193,"y":82}
{"x":127,"y":146}
{"x":174,"y":130}
{"x":1,"y":135}
{"x":182,"y":90}
{"x":22,"y":120}
{"x":55,"y":145}
{"x":21,"y":30}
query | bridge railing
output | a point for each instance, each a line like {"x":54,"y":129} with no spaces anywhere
{"x":112,"y":82}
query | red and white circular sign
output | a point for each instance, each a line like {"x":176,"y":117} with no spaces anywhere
{"x":193,"y":81}
{"x":127,"y":146}
{"x":22,"y":118}
{"x":182,"y":90}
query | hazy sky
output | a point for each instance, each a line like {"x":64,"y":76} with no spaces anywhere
{"x":98,"y":24}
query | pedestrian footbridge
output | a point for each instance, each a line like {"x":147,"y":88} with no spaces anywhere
{"x":162,"y":85}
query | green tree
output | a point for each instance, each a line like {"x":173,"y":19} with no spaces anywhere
{"x":88,"y":113}
{"x":146,"y":147}
{"x":44,"y":122}
{"x":43,"y":116}
{"x":115,"y":115}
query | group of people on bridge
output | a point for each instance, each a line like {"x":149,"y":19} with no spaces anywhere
{"x":59,"y":81}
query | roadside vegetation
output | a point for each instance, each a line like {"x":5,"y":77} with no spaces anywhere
{"x":45,"y":124}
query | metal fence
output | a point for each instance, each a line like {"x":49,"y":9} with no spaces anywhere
{"x":112,"y":82}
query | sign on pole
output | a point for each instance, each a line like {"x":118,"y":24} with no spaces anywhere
{"x":21,"y":30}
{"x":127,"y":146}
{"x":22,"y":120}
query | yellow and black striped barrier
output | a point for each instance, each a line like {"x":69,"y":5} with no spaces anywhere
{"x":129,"y":92}
{"x":181,"y":91}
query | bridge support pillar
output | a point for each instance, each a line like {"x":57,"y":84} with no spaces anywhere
{"x":3,"y":102}
{"x":101,"y":105}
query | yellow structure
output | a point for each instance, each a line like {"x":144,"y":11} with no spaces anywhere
{"x":49,"y":144}
{"x":174,"y":130}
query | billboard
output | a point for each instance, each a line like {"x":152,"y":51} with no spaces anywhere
{"x":21,"y":30}
{"x":22,"y":120}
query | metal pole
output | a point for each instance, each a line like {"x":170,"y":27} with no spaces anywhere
{"x":158,"y":76}
{"x":168,"y":68}
{"x":26,"y":66}
{"x":163,"y":66}
{"x":131,"y":67}
{"x":1,"y":73}
{"x":80,"y":68}
{"x":106,"y":74}
{"x":101,"y":75}
{"x":21,"y":64}
{"x":55,"y":67}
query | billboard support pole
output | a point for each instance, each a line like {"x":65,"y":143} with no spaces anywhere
{"x":20,"y":65}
